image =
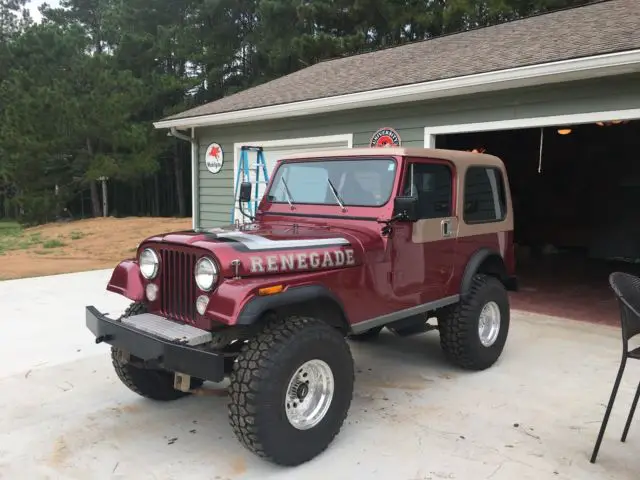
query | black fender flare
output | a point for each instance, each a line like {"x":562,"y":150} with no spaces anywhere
{"x":473,"y":265}
{"x":258,"y":305}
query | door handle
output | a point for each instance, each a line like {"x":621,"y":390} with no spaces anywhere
{"x":446,"y":228}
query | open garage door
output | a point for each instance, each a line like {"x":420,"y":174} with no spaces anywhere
{"x":275,"y":150}
{"x":576,"y":191}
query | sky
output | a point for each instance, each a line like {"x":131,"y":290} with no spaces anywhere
{"x":34,"y":4}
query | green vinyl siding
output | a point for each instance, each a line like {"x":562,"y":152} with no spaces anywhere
{"x":215,"y":192}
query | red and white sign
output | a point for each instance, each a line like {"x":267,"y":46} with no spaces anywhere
{"x":385,"y":137}
{"x":214,"y":158}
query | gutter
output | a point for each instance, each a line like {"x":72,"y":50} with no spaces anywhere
{"x":174,"y":133}
{"x":545,"y":73}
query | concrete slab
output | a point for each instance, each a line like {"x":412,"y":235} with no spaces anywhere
{"x":535,"y":415}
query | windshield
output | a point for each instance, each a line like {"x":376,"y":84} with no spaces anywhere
{"x":357,"y":182}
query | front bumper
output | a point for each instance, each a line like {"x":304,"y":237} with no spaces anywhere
{"x":172,"y":355}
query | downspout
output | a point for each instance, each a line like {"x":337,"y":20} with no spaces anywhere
{"x":173,"y":131}
{"x":195,"y":206}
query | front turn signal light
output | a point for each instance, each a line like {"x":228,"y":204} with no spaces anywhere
{"x":271,"y":290}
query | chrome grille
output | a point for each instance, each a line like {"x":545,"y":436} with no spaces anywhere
{"x":177,"y":285}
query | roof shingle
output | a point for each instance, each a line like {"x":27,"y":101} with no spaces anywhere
{"x":593,"y":29}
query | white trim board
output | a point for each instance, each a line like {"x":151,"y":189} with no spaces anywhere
{"x":288,"y":142}
{"x":195,"y":172}
{"x":544,"y":73}
{"x":293,"y":142}
{"x":533,"y":122}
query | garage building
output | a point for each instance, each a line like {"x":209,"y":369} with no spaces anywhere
{"x":556,"y":96}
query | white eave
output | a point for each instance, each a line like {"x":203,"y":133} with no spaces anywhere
{"x":545,"y":73}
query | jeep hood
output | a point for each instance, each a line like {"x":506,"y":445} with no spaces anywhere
{"x":277,"y":248}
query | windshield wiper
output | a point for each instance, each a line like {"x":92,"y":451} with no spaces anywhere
{"x":335,"y":194}
{"x":288,"y":193}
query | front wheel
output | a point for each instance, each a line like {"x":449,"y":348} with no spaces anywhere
{"x":152,"y":383}
{"x":291,"y":389}
{"x":473,"y":332}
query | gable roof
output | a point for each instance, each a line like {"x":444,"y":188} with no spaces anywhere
{"x":587,"y":31}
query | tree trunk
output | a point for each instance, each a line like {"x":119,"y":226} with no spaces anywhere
{"x":178,"y":170}
{"x":156,"y":195}
{"x":95,"y":199}
{"x":134,"y":200}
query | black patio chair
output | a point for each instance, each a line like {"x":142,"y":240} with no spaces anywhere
{"x":627,"y":290}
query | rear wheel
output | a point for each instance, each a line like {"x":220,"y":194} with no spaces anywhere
{"x":473,"y":332}
{"x":291,"y":390}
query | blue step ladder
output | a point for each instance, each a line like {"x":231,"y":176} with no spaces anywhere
{"x":244,"y":175}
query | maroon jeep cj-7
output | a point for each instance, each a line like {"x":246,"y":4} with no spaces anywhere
{"x":343,"y":244}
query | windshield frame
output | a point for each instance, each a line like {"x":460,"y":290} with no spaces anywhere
{"x":328,"y":159}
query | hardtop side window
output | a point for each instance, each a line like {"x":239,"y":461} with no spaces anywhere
{"x":432,"y":184}
{"x":484,"y":195}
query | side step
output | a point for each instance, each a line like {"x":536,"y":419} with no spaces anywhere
{"x":413,"y":325}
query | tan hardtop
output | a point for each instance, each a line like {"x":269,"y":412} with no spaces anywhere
{"x":457,"y":157}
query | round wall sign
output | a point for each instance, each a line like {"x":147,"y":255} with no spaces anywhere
{"x":385,"y":137}
{"x":214,"y":158}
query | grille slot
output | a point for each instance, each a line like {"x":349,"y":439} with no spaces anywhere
{"x":177,"y":285}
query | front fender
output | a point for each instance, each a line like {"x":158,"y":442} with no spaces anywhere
{"x":258,"y":305}
{"x":237,"y":302}
{"x":126,"y":281}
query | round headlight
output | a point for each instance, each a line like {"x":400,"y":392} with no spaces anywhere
{"x":149,"y":263}
{"x":206,"y":274}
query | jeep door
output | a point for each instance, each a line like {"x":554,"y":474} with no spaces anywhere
{"x":423,"y":253}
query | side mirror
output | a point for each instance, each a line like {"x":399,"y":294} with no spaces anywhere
{"x":406,"y":208}
{"x":245,"y":192}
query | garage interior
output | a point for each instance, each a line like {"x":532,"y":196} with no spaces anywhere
{"x":576,"y":205}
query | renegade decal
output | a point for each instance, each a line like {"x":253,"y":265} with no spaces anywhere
{"x":257,"y":242}
{"x":289,"y":262}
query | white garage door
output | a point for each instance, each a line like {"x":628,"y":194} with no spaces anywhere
{"x":273,"y":153}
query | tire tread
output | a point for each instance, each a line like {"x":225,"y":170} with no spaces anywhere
{"x":458,"y":325}
{"x":255,"y":364}
{"x":149,"y":383}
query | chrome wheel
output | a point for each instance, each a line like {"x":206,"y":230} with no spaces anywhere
{"x":489,"y":324}
{"x":309,"y":394}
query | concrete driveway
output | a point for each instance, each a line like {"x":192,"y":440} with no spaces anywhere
{"x":535,"y":415}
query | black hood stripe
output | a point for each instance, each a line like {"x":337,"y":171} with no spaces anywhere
{"x":247,"y":243}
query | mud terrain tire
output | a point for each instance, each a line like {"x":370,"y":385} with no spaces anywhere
{"x":136,"y":308}
{"x":459,"y":325}
{"x":271,"y":368}
{"x":155,"y":384}
{"x":150,"y":383}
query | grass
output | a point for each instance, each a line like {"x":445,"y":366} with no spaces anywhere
{"x":7,"y":226}
{"x":13,"y":237}
{"x":53,"y":243}
{"x":10,"y":236}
